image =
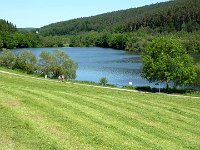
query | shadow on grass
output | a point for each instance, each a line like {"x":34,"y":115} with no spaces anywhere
{"x":163,"y":90}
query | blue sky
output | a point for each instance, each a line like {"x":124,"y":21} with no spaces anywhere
{"x":37,"y":13}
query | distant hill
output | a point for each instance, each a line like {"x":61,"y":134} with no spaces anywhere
{"x":27,"y":29}
{"x":168,"y":16}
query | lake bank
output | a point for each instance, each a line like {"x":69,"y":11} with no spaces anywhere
{"x":118,"y":66}
{"x":143,"y":89}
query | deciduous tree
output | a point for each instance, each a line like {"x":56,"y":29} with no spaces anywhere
{"x":57,"y":63}
{"x":7,"y":59}
{"x":26,"y":61}
{"x":166,"y":60}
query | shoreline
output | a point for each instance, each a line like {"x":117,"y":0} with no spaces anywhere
{"x":98,"y":85}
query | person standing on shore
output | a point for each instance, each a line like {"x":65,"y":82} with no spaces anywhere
{"x":63,"y":78}
{"x":59,"y":78}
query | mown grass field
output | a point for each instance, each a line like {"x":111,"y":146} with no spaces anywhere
{"x":38,"y":114}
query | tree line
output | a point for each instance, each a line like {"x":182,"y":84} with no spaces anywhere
{"x":134,"y":28}
{"x":165,"y":17}
{"x":155,"y":20}
{"x":7,"y":26}
{"x":52,"y":64}
{"x":11,"y":37}
{"x":134,"y":42}
{"x":10,"y":40}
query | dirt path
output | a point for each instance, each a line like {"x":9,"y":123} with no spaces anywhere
{"x":102,"y":87}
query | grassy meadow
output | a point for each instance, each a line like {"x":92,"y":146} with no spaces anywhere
{"x":39,"y":114}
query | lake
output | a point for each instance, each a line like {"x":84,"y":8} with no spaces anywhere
{"x":118,"y":66}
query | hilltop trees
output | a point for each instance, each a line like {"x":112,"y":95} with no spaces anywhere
{"x":11,"y":38}
{"x":7,"y":26}
{"x":7,"y":30}
{"x":117,"y":29}
{"x":172,"y":16}
{"x":120,"y":29}
{"x":166,"y":60}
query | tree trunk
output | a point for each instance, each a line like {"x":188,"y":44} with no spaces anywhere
{"x":167,"y":86}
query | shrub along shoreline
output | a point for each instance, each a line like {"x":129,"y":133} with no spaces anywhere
{"x":52,"y":64}
{"x":184,"y":92}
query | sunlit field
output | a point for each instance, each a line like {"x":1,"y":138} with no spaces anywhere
{"x":39,"y":114}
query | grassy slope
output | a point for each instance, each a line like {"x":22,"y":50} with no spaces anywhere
{"x":49,"y":115}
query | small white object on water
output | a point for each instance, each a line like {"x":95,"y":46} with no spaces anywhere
{"x":130,"y":83}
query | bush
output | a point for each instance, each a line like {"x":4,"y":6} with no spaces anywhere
{"x":26,"y":61}
{"x":103,"y":81}
{"x":7,"y":59}
{"x":129,"y":87}
{"x":57,"y":63}
{"x":143,"y":88}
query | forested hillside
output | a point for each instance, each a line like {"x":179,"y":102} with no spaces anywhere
{"x":134,"y":28}
{"x":11,"y":37}
{"x":169,"y":16}
{"x":7,"y":26}
{"x":130,"y":29}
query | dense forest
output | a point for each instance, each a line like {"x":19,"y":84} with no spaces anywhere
{"x":164,"y":17}
{"x":134,"y":28}
{"x":7,"y":26}
{"x":11,"y":37}
{"x":130,"y":29}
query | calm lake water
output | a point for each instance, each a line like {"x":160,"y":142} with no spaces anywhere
{"x":118,"y":66}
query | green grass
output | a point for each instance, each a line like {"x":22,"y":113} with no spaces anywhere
{"x":38,"y":114}
{"x":18,"y":71}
